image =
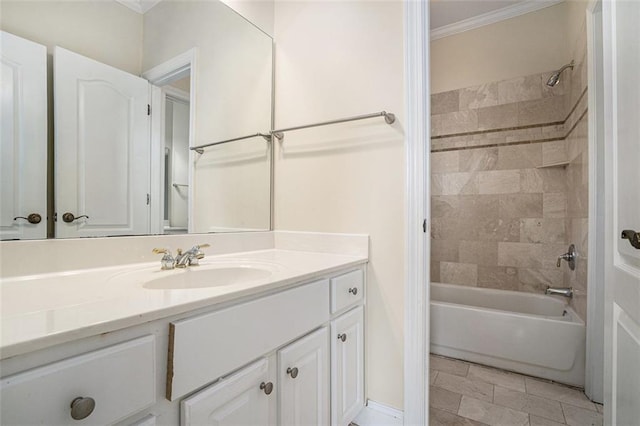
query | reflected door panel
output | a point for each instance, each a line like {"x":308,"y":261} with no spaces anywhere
{"x":23,"y":138}
{"x":102,"y":148}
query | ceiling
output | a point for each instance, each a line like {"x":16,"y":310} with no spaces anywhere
{"x":447,"y":12}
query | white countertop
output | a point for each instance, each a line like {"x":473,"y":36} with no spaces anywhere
{"x":38,"y":311}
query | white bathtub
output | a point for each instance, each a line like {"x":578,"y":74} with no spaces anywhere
{"x":528,"y":333}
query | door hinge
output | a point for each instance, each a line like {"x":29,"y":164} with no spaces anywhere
{"x":148,"y":199}
{"x":148,"y":109}
{"x":424,"y":226}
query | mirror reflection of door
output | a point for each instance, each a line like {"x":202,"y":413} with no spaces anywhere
{"x":102,"y":148}
{"x":176,"y":164}
{"x":23,"y":138}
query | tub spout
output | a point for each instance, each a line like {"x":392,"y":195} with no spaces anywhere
{"x":562,"y":291}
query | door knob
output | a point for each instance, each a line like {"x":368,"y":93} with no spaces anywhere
{"x":632,"y":236}
{"x":353,"y":290}
{"x":342,"y":337}
{"x":69,"y":217}
{"x":293,"y":372}
{"x":32,"y":218}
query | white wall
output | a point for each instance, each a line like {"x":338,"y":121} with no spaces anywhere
{"x":233,"y":85}
{"x":525,"y":45}
{"x":102,"y":30}
{"x":333,"y":60}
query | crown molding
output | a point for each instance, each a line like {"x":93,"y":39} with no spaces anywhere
{"x":140,"y":6}
{"x":492,"y":17}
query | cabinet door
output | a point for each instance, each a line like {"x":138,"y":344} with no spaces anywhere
{"x":304,"y":381}
{"x":247,"y":398}
{"x":23,"y":138}
{"x":347,"y":367}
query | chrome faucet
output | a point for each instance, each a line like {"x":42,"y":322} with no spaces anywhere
{"x":190,"y":257}
{"x":562,"y":291}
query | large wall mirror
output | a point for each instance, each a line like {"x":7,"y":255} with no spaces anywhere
{"x":123,"y":122}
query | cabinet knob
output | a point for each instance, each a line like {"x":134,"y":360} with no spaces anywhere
{"x":293,"y":372}
{"x":82,"y":407}
{"x":353,"y":291}
{"x":266,"y":387}
{"x":342,"y":337}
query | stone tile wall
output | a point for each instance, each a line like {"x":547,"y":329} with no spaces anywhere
{"x":509,"y":183}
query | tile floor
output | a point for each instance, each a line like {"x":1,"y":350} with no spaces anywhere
{"x":466,"y":394}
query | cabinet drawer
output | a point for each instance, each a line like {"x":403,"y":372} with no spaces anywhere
{"x":346,"y":290}
{"x":206,"y":347}
{"x":120,"y":378}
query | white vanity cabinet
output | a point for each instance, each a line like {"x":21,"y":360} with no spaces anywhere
{"x":320,"y":373}
{"x":304,"y":380}
{"x":288,"y":356}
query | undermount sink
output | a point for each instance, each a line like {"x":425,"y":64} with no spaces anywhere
{"x":194,"y":277}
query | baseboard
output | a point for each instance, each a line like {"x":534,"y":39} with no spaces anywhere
{"x":376,"y":414}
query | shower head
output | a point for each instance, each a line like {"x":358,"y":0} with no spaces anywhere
{"x":555,"y":77}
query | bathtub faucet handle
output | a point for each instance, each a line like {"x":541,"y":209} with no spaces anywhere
{"x":569,"y":256}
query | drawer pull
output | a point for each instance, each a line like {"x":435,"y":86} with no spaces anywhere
{"x":82,"y":407}
{"x":342,"y":337}
{"x":293,"y":372}
{"x":353,"y":291}
{"x":266,"y":387}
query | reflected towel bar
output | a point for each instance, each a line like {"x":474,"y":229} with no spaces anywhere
{"x":389,"y":117}
{"x":200,"y":148}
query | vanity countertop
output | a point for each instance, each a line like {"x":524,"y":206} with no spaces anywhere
{"x":39,"y":311}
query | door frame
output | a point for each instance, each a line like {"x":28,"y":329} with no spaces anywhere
{"x":417,"y":212}
{"x":594,"y":371}
{"x":175,"y":68}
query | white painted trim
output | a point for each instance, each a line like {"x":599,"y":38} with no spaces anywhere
{"x":384,"y":409}
{"x":139,"y":6}
{"x":492,"y":17}
{"x":185,"y":64}
{"x":594,"y":371}
{"x":609,"y":72}
{"x":417,"y":247}
{"x":176,"y":94}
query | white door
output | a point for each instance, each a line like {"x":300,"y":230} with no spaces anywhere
{"x":247,"y":398}
{"x":621,"y":35}
{"x":347,"y":367}
{"x":23,"y":139}
{"x":304,"y":381}
{"x":102,"y":148}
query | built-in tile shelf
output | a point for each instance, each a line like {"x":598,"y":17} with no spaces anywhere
{"x":560,"y":164}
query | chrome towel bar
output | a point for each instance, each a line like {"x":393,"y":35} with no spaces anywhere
{"x":200,"y":148}
{"x":389,"y":117}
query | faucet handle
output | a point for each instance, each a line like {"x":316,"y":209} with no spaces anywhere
{"x":201,"y":246}
{"x":167,"y":261}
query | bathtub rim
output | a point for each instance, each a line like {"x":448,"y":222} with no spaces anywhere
{"x":575,"y":318}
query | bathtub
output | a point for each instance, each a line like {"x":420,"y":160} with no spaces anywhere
{"x":527,"y":333}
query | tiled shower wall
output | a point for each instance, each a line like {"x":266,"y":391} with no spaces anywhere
{"x":509,"y":185}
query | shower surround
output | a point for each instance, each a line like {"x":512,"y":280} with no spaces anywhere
{"x":509,"y":183}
